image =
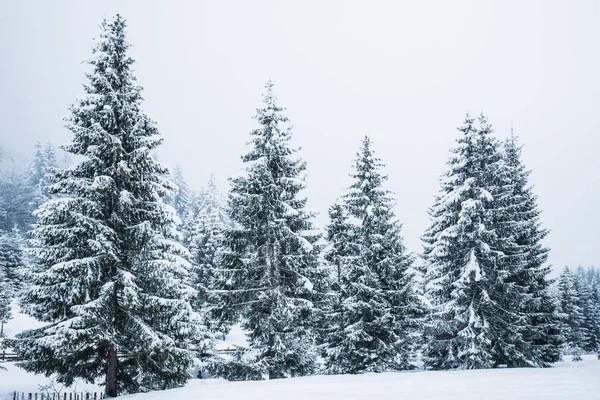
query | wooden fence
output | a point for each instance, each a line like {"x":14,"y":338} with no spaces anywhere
{"x":228,"y":350}
{"x":58,"y":396}
{"x":10,"y":357}
{"x":14,"y":357}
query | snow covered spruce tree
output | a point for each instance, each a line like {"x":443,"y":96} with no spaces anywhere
{"x":591,"y":279}
{"x":579,"y":304}
{"x":378,"y":312}
{"x":205,"y":238}
{"x":110,"y":275}
{"x":44,"y":160}
{"x":13,"y":265}
{"x":464,"y":284}
{"x":589,"y":323}
{"x":571,"y":311}
{"x":13,"y":260}
{"x":181,"y":198}
{"x":5,"y":300}
{"x":270,"y":271}
{"x":338,"y":252}
{"x":533,"y":338}
{"x":16,"y":193}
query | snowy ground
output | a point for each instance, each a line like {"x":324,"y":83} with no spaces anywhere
{"x":236,"y":337}
{"x":567,"y":380}
{"x":16,"y":379}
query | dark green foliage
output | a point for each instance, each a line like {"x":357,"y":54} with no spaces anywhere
{"x":374,"y":310}
{"x":270,"y":273}
{"x":109,"y":279}
{"x":484,"y":262}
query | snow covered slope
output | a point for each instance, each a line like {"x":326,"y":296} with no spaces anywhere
{"x":566,"y":381}
{"x":20,"y":322}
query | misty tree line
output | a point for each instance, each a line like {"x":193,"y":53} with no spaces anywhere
{"x":578,"y":296}
{"x":137,"y":277}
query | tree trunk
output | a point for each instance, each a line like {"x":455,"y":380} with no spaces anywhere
{"x":111,"y":371}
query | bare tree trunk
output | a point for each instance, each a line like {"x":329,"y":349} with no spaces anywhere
{"x":111,"y":371}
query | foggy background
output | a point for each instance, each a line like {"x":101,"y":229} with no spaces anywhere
{"x":403,"y":72}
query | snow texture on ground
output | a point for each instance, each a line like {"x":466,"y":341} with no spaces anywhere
{"x":16,"y":379}
{"x":567,"y":380}
{"x":235,"y":337}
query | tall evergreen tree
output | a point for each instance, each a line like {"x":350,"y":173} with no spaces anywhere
{"x":593,"y":276}
{"x":206,"y":236}
{"x":50,"y":156}
{"x":378,"y":310}
{"x":181,"y":198}
{"x":572,"y":313}
{"x":3,"y":212}
{"x":338,"y":254}
{"x":13,"y":261}
{"x":5,"y":300}
{"x":590,"y":308}
{"x":533,"y":337}
{"x":464,"y":280}
{"x":2,"y":194}
{"x":110,"y":274}
{"x":42,"y":163}
{"x":17,"y":194}
{"x":270,"y":259}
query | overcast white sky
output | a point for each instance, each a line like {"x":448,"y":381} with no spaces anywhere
{"x":403,"y":72}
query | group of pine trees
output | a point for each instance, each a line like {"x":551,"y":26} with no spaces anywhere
{"x":485,"y":272}
{"x":22,"y":190}
{"x":578,"y":295}
{"x":136,"y":276}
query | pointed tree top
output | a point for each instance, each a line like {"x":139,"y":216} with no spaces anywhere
{"x":211,"y":181}
{"x":366,"y":155}
{"x":512,"y":138}
{"x":467,"y":125}
{"x":113,"y":27}
{"x":269,"y":96}
{"x":366,"y":143}
{"x":178,"y":170}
